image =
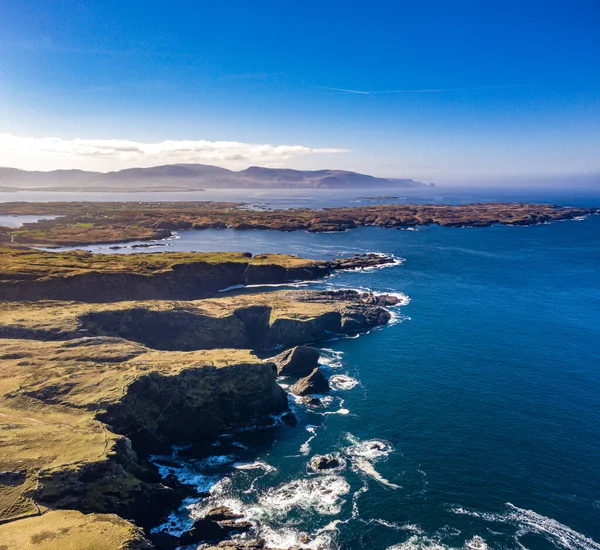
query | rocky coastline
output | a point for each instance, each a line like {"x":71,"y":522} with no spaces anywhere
{"x":84,"y":223}
{"x":92,"y":388}
{"x":29,"y":275}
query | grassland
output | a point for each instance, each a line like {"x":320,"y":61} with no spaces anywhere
{"x":31,"y":264}
{"x":86,"y":223}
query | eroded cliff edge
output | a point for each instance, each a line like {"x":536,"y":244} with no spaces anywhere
{"x":27,"y":274}
{"x":89,"y":390}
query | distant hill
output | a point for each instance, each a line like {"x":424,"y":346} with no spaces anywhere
{"x":194,"y":177}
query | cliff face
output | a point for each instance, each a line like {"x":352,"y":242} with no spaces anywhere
{"x":88,"y":390}
{"x":27,"y":275}
{"x":159,"y":411}
{"x":254,"y":321}
{"x":183,"y":282}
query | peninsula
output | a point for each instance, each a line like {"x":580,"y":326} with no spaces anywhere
{"x":80,"y":223}
{"x":89,"y":389}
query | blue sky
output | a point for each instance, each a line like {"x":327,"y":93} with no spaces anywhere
{"x":442,"y":91}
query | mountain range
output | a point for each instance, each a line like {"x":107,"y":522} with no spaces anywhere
{"x":193,"y":177}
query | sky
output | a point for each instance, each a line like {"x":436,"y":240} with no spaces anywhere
{"x":463,"y":91}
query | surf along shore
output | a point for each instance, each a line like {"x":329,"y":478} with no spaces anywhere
{"x":110,"y":359}
{"x":81,"y":223}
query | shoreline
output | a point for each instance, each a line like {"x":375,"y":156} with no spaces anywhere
{"x":81,"y":223}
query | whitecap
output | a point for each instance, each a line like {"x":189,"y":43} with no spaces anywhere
{"x":331,"y":358}
{"x":288,"y":537}
{"x":410,"y":527}
{"x":419,"y":542}
{"x":342,"y":382}
{"x":322,"y":494}
{"x":256,"y":465}
{"x":305,"y":447}
{"x":530,"y":522}
{"x":367,"y":468}
{"x":371,"y":449}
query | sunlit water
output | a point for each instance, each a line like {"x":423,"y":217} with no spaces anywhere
{"x":476,"y":412}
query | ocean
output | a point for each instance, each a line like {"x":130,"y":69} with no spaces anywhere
{"x":475,"y":412}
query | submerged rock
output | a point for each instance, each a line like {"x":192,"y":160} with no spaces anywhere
{"x":222,"y":513}
{"x":298,"y":361}
{"x":315,"y":382}
{"x":289,"y":419}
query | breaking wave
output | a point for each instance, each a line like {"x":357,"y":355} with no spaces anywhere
{"x":528,"y":522}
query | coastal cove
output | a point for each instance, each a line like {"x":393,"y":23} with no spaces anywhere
{"x":495,"y":327}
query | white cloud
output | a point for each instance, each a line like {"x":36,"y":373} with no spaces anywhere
{"x":47,"y":153}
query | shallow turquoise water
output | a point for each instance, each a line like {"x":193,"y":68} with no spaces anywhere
{"x":486,"y":391}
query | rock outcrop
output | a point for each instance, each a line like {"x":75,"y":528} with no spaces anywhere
{"x":257,"y":321}
{"x":315,"y":382}
{"x":91,"y":389}
{"x":27,"y":275}
{"x":297,"y":361}
{"x":325,"y":462}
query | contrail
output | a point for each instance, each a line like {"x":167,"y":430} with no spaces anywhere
{"x":344,"y":90}
{"x":423,"y":90}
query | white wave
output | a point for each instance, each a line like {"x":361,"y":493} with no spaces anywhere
{"x":410,"y":527}
{"x":366,"y":467}
{"x":371,"y":449}
{"x":341,"y":410}
{"x":331,"y":358}
{"x":257,"y":465}
{"x":342,"y":382}
{"x":305,"y":447}
{"x":396,"y":318}
{"x":187,"y":474}
{"x":355,"y":497}
{"x":215,"y":461}
{"x":530,"y":522}
{"x":323,"y":494}
{"x":288,"y":537}
{"x":419,"y":542}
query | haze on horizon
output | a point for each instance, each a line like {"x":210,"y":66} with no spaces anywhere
{"x":455,"y":93}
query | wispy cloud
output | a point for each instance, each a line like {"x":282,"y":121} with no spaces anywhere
{"x":122,"y":153}
{"x":423,"y":90}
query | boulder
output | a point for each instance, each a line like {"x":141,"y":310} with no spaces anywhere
{"x":315,"y":382}
{"x":297,"y":361}
{"x":222,"y":513}
{"x":203,"y":529}
{"x":216,"y":525}
{"x":312,"y":401}
{"x":289,"y":419}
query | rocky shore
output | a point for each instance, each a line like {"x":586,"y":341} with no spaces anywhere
{"x":81,"y":223}
{"x":28,"y":275}
{"x":91,"y":388}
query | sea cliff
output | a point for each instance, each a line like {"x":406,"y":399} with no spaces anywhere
{"x":89,"y":390}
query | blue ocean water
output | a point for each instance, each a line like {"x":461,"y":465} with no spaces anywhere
{"x":475,"y":413}
{"x":485,"y":396}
